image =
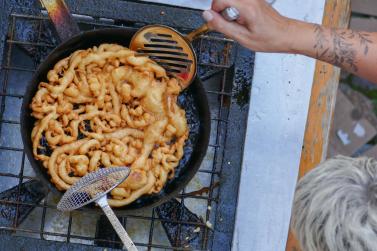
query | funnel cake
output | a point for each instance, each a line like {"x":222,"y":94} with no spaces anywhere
{"x":106,"y":107}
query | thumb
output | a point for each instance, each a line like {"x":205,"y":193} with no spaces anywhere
{"x":216,"y":22}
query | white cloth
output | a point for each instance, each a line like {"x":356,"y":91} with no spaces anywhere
{"x":195,"y":4}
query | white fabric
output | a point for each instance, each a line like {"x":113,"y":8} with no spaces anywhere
{"x":195,"y":4}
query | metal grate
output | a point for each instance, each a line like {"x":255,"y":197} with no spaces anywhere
{"x":29,"y":39}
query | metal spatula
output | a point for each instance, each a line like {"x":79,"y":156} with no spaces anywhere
{"x":93,"y":187}
{"x":172,"y":50}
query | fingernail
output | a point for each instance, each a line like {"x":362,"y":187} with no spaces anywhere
{"x":207,"y":15}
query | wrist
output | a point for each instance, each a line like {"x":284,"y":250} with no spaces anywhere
{"x":298,"y":37}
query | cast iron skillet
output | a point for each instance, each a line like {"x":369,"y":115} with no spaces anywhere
{"x":193,"y":100}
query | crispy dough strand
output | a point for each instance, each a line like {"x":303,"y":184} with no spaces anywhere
{"x":52,"y":165}
{"x":64,"y":174}
{"x":135,"y":194}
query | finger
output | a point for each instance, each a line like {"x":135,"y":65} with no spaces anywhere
{"x":231,"y":29}
{"x":220,"y":5}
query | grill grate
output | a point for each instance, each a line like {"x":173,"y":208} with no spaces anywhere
{"x":29,"y":39}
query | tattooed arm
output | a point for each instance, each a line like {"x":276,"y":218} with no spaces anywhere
{"x":262,"y":28}
{"x":351,"y":50}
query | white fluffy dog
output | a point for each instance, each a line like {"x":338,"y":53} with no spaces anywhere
{"x":335,"y":206}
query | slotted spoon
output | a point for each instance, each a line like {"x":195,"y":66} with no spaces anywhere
{"x":172,"y":50}
{"x":93,"y":187}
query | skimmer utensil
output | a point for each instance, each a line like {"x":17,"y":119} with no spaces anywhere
{"x":93,"y":187}
{"x":172,"y":50}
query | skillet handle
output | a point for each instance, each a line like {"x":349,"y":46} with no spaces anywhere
{"x":62,"y":19}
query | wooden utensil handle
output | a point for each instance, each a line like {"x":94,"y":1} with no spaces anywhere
{"x":61,"y":18}
{"x":196,"y":33}
{"x":230,"y":14}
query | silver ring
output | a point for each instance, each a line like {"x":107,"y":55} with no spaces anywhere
{"x":230,"y":14}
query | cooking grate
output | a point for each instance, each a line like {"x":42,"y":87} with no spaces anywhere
{"x":209,"y":200}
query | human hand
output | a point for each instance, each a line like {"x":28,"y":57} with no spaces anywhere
{"x":259,"y":28}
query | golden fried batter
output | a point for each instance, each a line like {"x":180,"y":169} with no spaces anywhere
{"x":106,"y":107}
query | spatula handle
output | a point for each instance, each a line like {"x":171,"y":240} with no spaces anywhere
{"x":102,"y":202}
{"x":230,"y":14}
{"x":196,"y":33}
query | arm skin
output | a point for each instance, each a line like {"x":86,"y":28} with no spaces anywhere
{"x":353,"y":51}
{"x":261,"y":28}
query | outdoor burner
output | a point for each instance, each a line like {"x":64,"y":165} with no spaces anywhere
{"x":202,"y":217}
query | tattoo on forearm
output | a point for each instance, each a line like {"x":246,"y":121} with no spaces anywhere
{"x":344,"y":53}
{"x":322,"y":42}
{"x":364,"y":39}
{"x":340,"y":46}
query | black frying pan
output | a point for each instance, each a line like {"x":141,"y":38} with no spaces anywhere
{"x":193,"y":100}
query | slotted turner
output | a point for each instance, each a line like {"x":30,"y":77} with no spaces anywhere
{"x":172,"y":50}
{"x":93,"y":187}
